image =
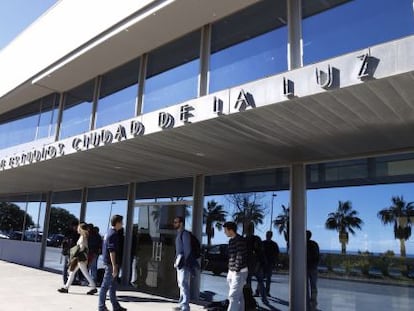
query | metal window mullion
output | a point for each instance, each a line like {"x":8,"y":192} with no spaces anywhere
{"x":141,"y":84}
{"x":84,"y":202}
{"x":96,"y":91}
{"x":46,"y":223}
{"x":205,"y":50}
{"x":60,"y":115}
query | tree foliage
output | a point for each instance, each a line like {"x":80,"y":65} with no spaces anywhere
{"x":12,"y":217}
{"x":60,"y":220}
{"x":247,"y":210}
{"x":344,"y":220}
{"x":214,"y":216}
{"x":282,"y":224}
{"x":400,"y":214}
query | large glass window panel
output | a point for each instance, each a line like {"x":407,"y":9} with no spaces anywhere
{"x":248,"y":45}
{"x":14,"y":219}
{"x":243,"y":208}
{"x":118,"y":94}
{"x":65,"y":210}
{"x":172,"y":73}
{"x":18,"y":131}
{"x":355,"y":25}
{"x":77,"y":110}
{"x":48,"y":117}
{"x":361,"y":265}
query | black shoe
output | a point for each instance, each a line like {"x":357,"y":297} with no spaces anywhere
{"x":63,"y":290}
{"x":92,"y":291}
{"x":120,"y":309}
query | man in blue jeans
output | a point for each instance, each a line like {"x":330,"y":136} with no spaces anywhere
{"x":185,"y":263}
{"x":110,"y":252}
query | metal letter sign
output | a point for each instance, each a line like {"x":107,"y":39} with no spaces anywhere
{"x":185,"y":113}
{"x":288,"y":88}
{"x":218,"y":106}
{"x":243,"y":101}
{"x":324,"y":79}
{"x":365,"y":70}
{"x":165,"y":120}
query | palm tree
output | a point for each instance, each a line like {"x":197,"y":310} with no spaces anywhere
{"x":344,"y":220}
{"x":282,"y":224}
{"x":250,"y":212}
{"x":400,"y":214}
{"x":214,"y":216}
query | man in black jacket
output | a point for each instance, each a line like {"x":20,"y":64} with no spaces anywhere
{"x":238,"y":271}
{"x":312,"y":266}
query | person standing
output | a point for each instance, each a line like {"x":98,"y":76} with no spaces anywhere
{"x":185,"y":263}
{"x":110,"y":252}
{"x":95,"y":249}
{"x":271,"y":253}
{"x":256,"y":261}
{"x":79,"y":260}
{"x":71,"y":236}
{"x":238,"y":271}
{"x":312,"y":267}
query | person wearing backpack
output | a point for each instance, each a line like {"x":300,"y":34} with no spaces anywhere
{"x":185,"y":262}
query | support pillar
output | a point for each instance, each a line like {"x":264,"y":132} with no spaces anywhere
{"x":84,"y":203}
{"x":198,"y":207}
{"x":294,"y":25}
{"x":129,"y":225}
{"x":46,"y":223}
{"x":297,"y":239}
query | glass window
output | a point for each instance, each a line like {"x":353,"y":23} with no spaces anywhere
{"x":118,"y":93}
{"x":172,"y":73}
{"x":33,"y":121}
{"x":77,"y":110}
{"x":377,"y":256}
{"x":65,"y":211}
{"x":248,"y":45}
{"x":355,"y":25}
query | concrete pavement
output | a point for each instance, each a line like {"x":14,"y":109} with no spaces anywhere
{"x":28,"y":289}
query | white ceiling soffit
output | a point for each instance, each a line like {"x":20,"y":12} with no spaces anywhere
{"x":85,"y":50}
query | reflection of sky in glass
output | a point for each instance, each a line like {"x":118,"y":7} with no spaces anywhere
{"x":47,"y":125}
{"x":367,"y":200}
{"x":171,"y":87}
{"x":355,"y":25}
{"x":18,"y":131}
{"x":116,"y":107}
{"x":250,"y":60}
{"x":100,"y":212}
{"x":75,"y":120}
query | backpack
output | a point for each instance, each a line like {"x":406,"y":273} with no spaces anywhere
{"x":195,"y":245}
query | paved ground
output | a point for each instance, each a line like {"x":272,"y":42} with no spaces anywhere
{"x":27,"y":289}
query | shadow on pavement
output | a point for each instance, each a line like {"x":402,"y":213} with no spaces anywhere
{"x":142,"y":299}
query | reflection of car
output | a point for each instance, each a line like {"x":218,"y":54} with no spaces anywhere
{"x":55,"y":240}
{"x":4,"y":236}
{"x":215,"y":258}
{"x":15,"y":235}
{"x":33,"y":236}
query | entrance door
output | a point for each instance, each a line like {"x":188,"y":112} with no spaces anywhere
{"x":153,"y":246}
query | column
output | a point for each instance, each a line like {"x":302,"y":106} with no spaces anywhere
{"x":198,"y":206}
{"x":84,"y":202}
{"x":297,"y":238}
{"x":294,"y":24}
{"x":45,"y":228}
{"x":129,"y":223}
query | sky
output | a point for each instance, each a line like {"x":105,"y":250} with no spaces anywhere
{"x":16,"y":15}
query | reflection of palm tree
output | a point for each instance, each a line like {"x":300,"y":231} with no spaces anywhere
{"x":282,"y":224}
{"x":400,"y":214}
{"x":344,"y":220}
{"x":250,"y":213}
{"x":213,"y":214}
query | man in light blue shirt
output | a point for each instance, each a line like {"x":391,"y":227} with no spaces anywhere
{"x":184,"y":263}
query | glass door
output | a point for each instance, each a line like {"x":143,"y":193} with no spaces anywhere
{"x":153,"y":246}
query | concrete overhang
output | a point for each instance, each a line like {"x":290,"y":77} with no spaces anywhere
{"x":364,"y":108}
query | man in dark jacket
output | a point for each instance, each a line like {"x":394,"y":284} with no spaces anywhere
{"x":312,"y":266}
{"x":271,"y":253}
{"x":238,"y":271}
{"x":71,"y":236}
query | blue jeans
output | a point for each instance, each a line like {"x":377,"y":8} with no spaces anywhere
{"x":65,"y":269}
{"x":93,"y":266}
{"x":236,"y":281}
{"x":183,"y":280}
{"x":108,"y":283}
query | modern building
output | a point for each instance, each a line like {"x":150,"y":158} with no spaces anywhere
{"x":147,"y":108}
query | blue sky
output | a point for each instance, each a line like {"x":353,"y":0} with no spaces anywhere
{"x":375,"y":21}
{"x":16,"y":15}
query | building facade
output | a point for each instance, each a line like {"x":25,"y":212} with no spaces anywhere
{"x":155,"y":108}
